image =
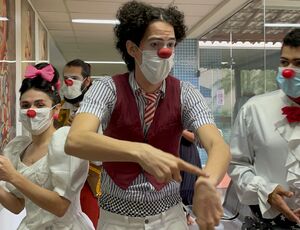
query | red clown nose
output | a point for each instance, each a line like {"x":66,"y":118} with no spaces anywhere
{"x":164,"y":53}
{"x":31,"y":113}
{"x":288,"y":73}
{"x":69,"y":82}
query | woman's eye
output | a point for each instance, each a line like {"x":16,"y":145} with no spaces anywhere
{"x":25,"y":106}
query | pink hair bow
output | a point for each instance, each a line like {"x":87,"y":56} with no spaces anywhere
{"x":46,"y":73}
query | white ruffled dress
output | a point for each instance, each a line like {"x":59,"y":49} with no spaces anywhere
{"x":58,"y":172}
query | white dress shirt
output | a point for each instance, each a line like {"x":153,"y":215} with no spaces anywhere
{"x":260,"y":152}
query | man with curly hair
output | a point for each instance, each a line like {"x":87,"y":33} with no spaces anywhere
{"x":143,"y":113}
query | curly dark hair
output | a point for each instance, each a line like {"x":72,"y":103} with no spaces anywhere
{"x":292,"y":38}
{"x":135,"y":17}
{"x":38,"y":83}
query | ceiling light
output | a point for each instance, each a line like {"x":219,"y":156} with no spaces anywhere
{"x":105,"y":62}
{"x":96,"y":21}
{"x":28,"y":61}
{"x":282,"y":25}
{"x":238,"y":45}
{"x":3,"y":19}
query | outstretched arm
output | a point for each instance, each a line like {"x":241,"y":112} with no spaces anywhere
{"x":84,"y":142}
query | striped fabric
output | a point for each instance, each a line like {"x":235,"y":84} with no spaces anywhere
{"x":100,"y":101}
{"x":150,"y":107}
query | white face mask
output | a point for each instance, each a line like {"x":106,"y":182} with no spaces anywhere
{"x":154,"y":68}
{"x":36,"y":124}
{"x":72,"y":91}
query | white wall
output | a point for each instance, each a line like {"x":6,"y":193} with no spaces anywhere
{"x":55,"y":56}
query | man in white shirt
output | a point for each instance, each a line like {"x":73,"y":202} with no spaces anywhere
{"x":264,"y":167}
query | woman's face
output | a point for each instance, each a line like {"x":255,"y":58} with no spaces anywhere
{"x":35,"y":99}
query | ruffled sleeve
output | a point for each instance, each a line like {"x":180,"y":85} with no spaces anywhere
{"x":15,"y":147}
{"x":68,"y":173}
{"x":12,"y":151}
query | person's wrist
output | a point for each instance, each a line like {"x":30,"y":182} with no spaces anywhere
{"x":15,"y":178}
{"x":204,"y":181}
{"x":136,"y":154}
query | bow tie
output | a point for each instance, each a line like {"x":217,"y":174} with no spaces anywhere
{"x":292,"y":113}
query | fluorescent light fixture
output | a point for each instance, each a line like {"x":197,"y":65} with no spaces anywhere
{"x":7,"y":61}
{"x":238,"y":45}
{"x":3,"y":19}
{"x":97,"y":77}
{"x":105,"y":62}
{"x":282,"y":25}
{"x":96,"y":21}
{"x":29,"y":61}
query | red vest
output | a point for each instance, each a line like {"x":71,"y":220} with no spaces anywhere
{"x":125,"y":124}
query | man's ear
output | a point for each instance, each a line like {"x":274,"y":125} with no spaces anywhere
{"x":131,"y":48}
{"x":88,"y":81}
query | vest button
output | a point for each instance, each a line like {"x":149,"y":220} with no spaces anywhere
{"x":146,"y":221}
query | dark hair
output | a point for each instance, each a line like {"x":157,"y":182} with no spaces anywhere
{"x":38,"y":83}
{"x":86,"y":68}
{"x":292,"y":39}
{"x":135,"y":17}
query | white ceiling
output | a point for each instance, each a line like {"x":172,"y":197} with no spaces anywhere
{"x":93,"y":42}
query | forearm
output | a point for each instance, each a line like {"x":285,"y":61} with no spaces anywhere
{"x":97,"y":147}
{"x":44,"y":198}
{"x":217,"y":163}
{"x":11,"y":202}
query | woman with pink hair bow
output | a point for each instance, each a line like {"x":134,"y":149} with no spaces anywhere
{"x":39,"y":176}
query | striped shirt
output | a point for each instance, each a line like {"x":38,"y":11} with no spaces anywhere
{"x":100,"y":101}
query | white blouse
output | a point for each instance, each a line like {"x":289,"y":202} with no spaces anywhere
{"x":259,"y":152}
{"x":57,"y":172}
{"x":291,"y":133}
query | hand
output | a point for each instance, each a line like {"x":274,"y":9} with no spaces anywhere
{"x":207,"y":205}
{"x":164,"y":166}
{"x":189,"y":219}
{"x":297,"y":212}
{"x":7,"y":170}
{"x":276,"y":200}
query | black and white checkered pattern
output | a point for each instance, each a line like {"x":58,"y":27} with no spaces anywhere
{"x":136,"y":209}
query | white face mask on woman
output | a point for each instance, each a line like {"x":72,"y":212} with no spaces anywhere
{"x":36,"y":121}
{"x":154,"y":68}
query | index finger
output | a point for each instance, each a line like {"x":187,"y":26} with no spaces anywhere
{"x":287,"y":212}
{"x":187,"y":167}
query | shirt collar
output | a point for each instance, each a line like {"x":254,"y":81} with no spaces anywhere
{"x":137,"y":90}
{"x":287,"y":101}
